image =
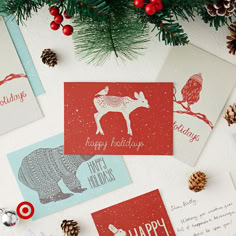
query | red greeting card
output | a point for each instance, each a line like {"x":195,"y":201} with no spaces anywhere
{"x":141,"y":216}
{"x":119,"y":118}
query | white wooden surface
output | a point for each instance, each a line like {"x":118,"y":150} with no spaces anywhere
{"x":147,"y":172}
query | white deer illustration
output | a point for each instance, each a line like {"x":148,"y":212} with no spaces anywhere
{"x":115,"y":231}
{"x":124,"y":105}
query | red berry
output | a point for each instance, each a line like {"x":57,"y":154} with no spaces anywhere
{"x":66,"y":15}
{"x":155,"y":1}
{"x":67,"y":30}
{"x":159,"y":6}
{"x":54,"y":11}
{"x":54,"y":25}
{"x":58,"y":19}
{"x":139,"y":3}
{"x":150,"y":9}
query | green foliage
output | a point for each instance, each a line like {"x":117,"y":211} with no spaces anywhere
{"x":106,"y":27}
{"x":22,"y":9}
{"x":123,"y":34}
{"x":172,"y":34}
{"x":91,"y":8}
{"x":214,"y":21}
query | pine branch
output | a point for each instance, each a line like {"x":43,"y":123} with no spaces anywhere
{"x":123,"y":35}
{"x":214,"y":21}
{"x":22,"y":9}
{"x":172,"y":34}
{"x":88,"y":8}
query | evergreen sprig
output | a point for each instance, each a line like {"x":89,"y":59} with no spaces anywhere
{"x":106,"y":27}
{"x":123,"y":34}
{"x":214,"y":21}
{"x":22,"y":9}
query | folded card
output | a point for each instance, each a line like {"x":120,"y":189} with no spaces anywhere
{"x":211,"y":212}
{"x":140,"y":216}
{"x":202,"y":84}
{"x":119,"y":118}
{"x":18,"y":105}
{"x":52,"y":181}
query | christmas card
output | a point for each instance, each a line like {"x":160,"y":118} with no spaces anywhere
{"x":119,"y":118}
{"x":18,"y":105}
{"x":140,"y":216}
{"x":211,"y":212}
{"x":202,"y":85}
{"x":52,"y":181}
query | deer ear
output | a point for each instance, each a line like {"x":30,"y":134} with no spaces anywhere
{"x":112,"y":228}
{"x":141,"y":95}
{"x":136,"y":95}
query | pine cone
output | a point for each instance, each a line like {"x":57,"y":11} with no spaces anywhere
{"x":197,"y":181}
{"x":221,"y":8}
{"x":70,"y":228}
{"x":49,"y":57}
{"x":231,"y":44}
{"x":230,"y":114}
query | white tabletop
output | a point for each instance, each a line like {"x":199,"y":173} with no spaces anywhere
{"x":147,"y":172}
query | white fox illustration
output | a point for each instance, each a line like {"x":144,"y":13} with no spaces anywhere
{"x":124,"y":105}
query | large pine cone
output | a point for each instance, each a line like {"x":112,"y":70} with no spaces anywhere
{"x":230,"y":114}
{"x":70,"y":228}
{"x":49,"y":57}
{"x":231,"y":43}
{"x":222,"y":8}
{"x":197,"y":181}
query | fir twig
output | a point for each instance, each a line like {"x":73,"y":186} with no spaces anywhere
{"x":123,"y":34}
{"x":214,"y":21}
{"x":172,"y":34}
{"x":22,"y":9}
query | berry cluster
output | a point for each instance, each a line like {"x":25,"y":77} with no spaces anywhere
{"x":58,"y":19}
{"x":151,"y":8}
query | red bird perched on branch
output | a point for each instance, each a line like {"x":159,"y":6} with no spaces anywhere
{"x":191,"y":90}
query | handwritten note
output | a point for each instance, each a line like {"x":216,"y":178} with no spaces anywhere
{"x":211,"y":212}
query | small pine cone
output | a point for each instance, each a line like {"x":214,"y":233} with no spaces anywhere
{"x":70,"y":228}
{"x":49,"y":57}
{"x":230,"y":114}
{"x":221,"y":8}
{"x":197,"y":181}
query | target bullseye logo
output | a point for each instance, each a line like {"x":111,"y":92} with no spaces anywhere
{"x":25,"y":210}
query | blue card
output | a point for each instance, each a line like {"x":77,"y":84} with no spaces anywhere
{"x":24,"y":55}
{"x":52,"y":181}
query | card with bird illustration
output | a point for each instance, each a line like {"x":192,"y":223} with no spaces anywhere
{"x":144,"y":215}
{"x":52,"y":181}
{"x":202,"y":84}
{"x":119,"y":118}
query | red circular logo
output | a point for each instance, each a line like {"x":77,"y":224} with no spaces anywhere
{"x":25,"y":210}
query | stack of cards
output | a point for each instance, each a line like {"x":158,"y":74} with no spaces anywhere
{"x":103,"y":121}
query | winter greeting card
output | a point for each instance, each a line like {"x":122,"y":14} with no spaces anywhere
{"x":119,"y":118}
{"x":52,"y":181}
{"x":211,"y":212}
{"x":141,"y":216}
{"x":202,"y":84}
{"x":18,"y":105}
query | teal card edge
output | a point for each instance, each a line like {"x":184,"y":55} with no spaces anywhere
{"x":24,"y":55}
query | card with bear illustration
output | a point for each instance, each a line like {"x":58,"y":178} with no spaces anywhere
{"x":140,"y":216}
{"x":52,"y":181}
{"x":118,"y":118}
